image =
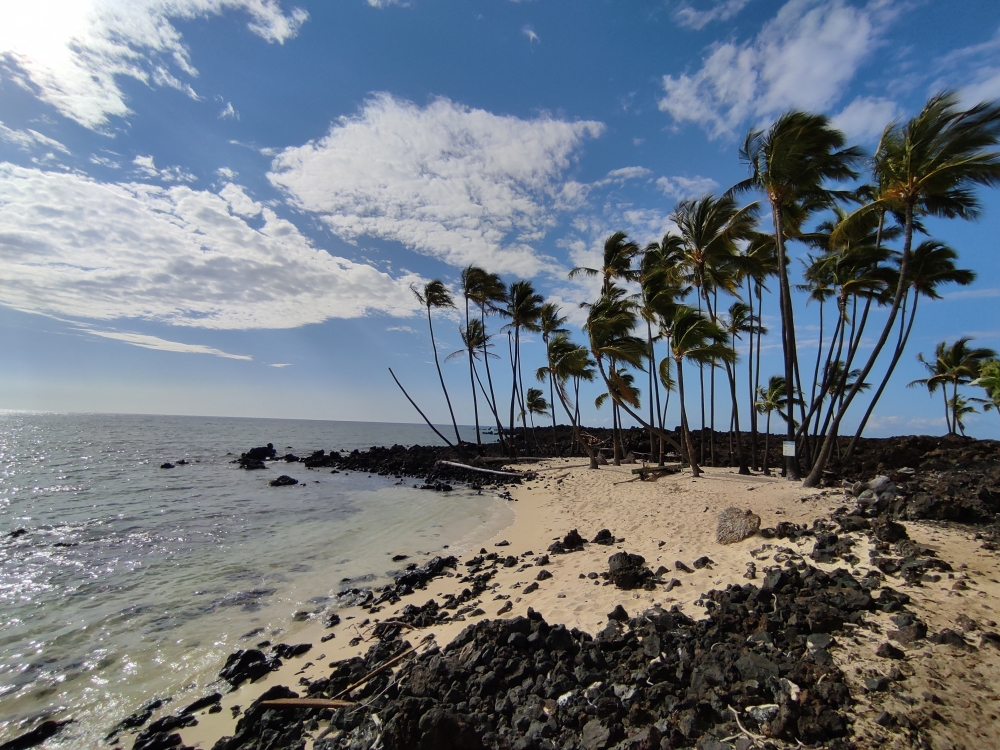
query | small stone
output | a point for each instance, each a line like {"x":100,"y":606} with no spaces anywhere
{"x":678,"y":565}
{"x":618,"y":614}
{"x":543,"y":575}
{"x":507,"y":607}
{"x":888,"y":651}
{"x":703,"y":562}
{"x":531,"y":587}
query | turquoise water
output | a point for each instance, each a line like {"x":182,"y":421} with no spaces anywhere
{"x":130,"y":581}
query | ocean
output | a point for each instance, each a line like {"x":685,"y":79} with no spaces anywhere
{"x":121,"y":581}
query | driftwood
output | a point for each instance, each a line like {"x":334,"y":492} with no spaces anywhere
{"x":378,"y":670}
{"x":457,"y":465}
{"x":306,"y":703}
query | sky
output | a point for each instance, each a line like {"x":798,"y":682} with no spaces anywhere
{"x":219,"y":206}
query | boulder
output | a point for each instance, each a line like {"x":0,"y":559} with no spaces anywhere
{"x":735,"y":525}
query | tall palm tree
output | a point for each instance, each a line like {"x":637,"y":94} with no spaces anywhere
{"x":790,"y":163}
{"x":568,"y":361}
{"x":932,"y":264}
{"x":550,"y":322}
{"x":610,"y":323}
{"x":739,"y":321}
{"x":695,"y":338}
{"x":436,"y":295}
{"x":524,"y":307}
{"x":470,"y":282}
{"x":928,"y":166}
{"x":489,"y":294}
{"x":710,"y":228}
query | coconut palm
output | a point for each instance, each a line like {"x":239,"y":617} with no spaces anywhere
{"x":961,"y":407}
{"x":932,"y":264}
{"x":790,"y":163}
{"x":610,"y":323}
{"x":928,"y":166}
{"x":470,"y":282}
{"x":489,"y":294}
{"x":773,"y":398}
{"x":709,"y":228}
{"x":550,"y":322}
{"x":989,"y":381}
{"x":619,"y":252}
{"x":568,"y":361}
{"x":695,"y":338}
{"x":739,"y":321}
{"x":436,"y":295}
{"x":522,"y":311}
{"x":957,"y":364}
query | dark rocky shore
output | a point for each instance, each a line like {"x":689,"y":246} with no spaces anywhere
{"x":756,"y":672}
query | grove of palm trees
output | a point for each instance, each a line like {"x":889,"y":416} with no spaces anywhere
{"x":681,"y":320}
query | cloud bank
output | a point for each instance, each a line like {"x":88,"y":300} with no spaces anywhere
{"x":459,"y":184}
{"x":72,"y":246}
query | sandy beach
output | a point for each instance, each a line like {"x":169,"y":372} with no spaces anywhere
{"x":947,"y":692}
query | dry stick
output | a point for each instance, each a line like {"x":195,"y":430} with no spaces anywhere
{"x":418,"y":409}
{"x":306,"y":703}
{"x":744,"y":729}
{"x":378,"y":670}
{"x":481,"y":471}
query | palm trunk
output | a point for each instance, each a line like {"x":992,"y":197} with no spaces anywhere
{"x":753,"y":412}
{"x":576,"y":423}
{"x":900,"y":346}
{"x":767,"y":446}
{"x":788,"y":331}
{"x":437,"y":362}
{"x":686,"y":436}
{"x":744,"y":469}
{"x":489,"y":379}
{"x":947,"y":411}
{"x":472,"y":379}
{"x":904,"y":269}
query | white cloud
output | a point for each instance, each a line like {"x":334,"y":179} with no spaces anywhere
{"x":28,"y":139}
{"x":155,"y":342}
{"x":146,"y":167}
{"x":229,"y":113}
{"x":459,"y":184}
{"x":281,"y":364}
{"x":686,"y":187}
{"x":803,"y":58}
{"x":239,"y":202}
{"x":624,"y":173}
{"x":384,"y":3}
{"x":720,"y":10}
{"x":226,"y":173}
{"x":985,"y":293}
{"x":974,"y":70}
{"x":104,"y":161}
{"x":530,"y":33}
{"x":72,"y":51}
{"x":76,"y":247}
{"x":865,"y":118}
{"x":401,"y":329}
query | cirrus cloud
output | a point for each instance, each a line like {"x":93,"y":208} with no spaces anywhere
{"x":462,"y":185}
{"x":76,"y":247}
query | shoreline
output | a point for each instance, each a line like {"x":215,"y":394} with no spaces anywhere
{"x":666,"y":520}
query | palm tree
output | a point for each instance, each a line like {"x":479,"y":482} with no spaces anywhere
{"x":989,"y":380}
{"x":933,"y":263}
{"x":960,"y":407}
{"x":550,"y":322}
{"x":740,"y":320}
{"x":710,"y":228}
{"x":610,"y":322}
{"x":789,"y":163}
{"x":567,"y":361}
{"x":535,"y":403}
{"x":436,"y":295}
{"x":957,"y":364}
{"x":617,"y":262}
{"x":695,"y":338}
{"x":489,"y":294}
{"x":523,"y":311}
{"x":771,"y":399}
{"x":471,"y":282}
{"x":928,"y":166}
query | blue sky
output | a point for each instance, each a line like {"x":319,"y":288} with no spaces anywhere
{"x":218,"y":206}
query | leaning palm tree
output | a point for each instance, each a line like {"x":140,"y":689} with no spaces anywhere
{"x":471,"y":281}
{"x":436,"y":295}
{"x":695,"y":338}
{"x":488,"y":293}
{"x":790,"y":163}
{"x":932,"y":264}
{"x":550,"y":323}
{"x":568,"y":361}
{"x":957,"y":364}
{"x":928,"y":166}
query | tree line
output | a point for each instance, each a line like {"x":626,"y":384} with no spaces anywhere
{"x":674,"y":313}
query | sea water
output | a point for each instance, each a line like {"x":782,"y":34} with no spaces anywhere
{"x":130,"y":582}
